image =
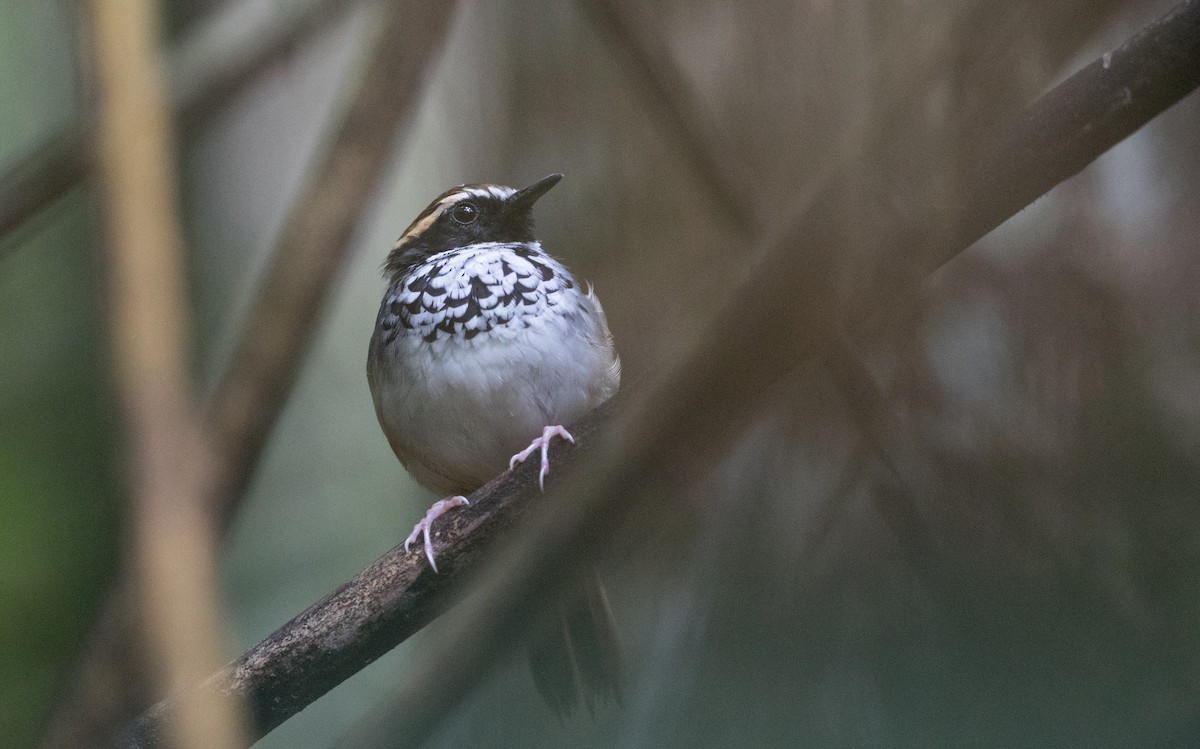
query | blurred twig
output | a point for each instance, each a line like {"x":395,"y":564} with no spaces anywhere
{"x":314,"y":241}
{"x":42,"y":177}
{"x":166,"y":451}
{"x":785,"y":315}
{"x":212,"y":64}
{"x":233,"y":47}
{"x":625,"y":27}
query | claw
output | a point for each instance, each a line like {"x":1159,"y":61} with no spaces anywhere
{"x":542,"y":443}
{"x":435,"y":511}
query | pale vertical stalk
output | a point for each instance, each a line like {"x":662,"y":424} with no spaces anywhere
{"x":168,"y":460}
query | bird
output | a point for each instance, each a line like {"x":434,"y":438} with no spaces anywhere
{"x":484,"y":348}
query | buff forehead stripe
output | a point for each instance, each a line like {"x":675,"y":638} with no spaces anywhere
{"x":420,"y":226}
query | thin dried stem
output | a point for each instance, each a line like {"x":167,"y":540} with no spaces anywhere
{"x":104,"y":690}
{"x":168,"y":461}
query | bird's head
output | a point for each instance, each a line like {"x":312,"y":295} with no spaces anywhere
{"x":466,"y":215}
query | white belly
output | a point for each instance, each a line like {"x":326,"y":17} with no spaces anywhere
{"x":456,"y":408}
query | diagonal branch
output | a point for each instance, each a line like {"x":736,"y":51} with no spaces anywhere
{"x":668,"y":92}
{"x":784,"y":316}
{"x":659,"y":432}
{"x":384,"y":604}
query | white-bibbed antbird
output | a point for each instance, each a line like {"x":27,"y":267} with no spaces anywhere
{"x":484,"y":342}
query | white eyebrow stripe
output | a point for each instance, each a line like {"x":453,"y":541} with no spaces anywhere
{"x":481,"y":191}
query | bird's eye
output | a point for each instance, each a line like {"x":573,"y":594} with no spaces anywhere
{"x":464,"y":213}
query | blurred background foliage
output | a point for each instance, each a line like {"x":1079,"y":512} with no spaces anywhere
{"x":1011,"y":560}
{"x":60,"y":514}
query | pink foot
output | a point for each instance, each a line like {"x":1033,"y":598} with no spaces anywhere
{"x":543,"y":443}
{"x":438,"y":509}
